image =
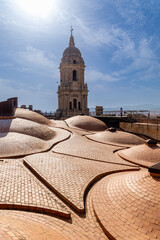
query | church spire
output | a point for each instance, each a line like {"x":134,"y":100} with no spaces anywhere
{"x":71,"y":42}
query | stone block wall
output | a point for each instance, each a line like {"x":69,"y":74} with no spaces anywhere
{"x":150,"y":130}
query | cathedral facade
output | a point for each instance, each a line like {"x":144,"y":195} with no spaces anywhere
{"x":72,"y":90}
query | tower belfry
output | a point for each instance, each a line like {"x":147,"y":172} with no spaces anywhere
{"x":72,"y":90}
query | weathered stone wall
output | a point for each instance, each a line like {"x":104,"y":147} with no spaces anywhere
{"x":150,"y":130}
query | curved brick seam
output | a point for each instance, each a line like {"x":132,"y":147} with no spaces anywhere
{"x":94,"y":160}
{"x":50,"y":187}
{"x":84,"y":190}
{"x":31,"y":206}
{"x":142,"y":164}
{"x":111,"y":144}
{"x":81,"y":150}
{"x":48,"y":145}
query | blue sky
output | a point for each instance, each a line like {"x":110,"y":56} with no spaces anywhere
{"x":119,"y":41}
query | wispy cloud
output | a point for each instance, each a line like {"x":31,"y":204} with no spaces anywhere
{"x":145,"y":64}
{"x":96,"y":76}
{"x":109,"y":35}
{"x":132,"y":11}
{"x":37,"y":61}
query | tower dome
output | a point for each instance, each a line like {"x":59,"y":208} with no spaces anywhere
{"x":71,"y":52}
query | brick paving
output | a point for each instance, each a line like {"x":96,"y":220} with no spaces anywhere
{"x":80,"y":227}
{"x":58,"y":196}
{"x":70,"y":176}
{"x":19,"y":189}
{"x":142,"y":155}
{"x":16,"y":227}
{"x":117,"y":138}
{"x":82,"y":147}
{"x":128,"y":206}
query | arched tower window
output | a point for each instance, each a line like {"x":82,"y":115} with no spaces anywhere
{"x":74,"y":103}
{"x":74,"y":61}
{"x":74,"y":75}
{"x":70,"y":105}
{"x":79,"y":105}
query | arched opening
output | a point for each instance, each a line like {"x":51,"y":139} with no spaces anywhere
{"x":74,"y":103}
{"x":74,"y":61}
{"x":70,"y":105}
{"x":79,"y":105}
{"x":74,"y":75}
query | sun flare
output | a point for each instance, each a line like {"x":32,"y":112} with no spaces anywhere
{"x":40,"y":8}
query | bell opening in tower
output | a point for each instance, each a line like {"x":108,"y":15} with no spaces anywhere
{"x":74,"y":75}
{"x":79,"y":105}
{"x":70,"y":105}
{"x":75,"y":103}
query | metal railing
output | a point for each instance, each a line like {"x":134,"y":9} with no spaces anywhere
{"x":125,"y":113}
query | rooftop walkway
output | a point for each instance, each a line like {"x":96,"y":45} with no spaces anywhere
{"x":76,"y":187}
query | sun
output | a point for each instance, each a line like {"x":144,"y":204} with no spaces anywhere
{"x":40,"y":8}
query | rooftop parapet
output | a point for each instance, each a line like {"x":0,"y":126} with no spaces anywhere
{"x":7,"y":108}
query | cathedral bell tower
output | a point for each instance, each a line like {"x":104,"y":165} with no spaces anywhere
{"x":72,"y":91}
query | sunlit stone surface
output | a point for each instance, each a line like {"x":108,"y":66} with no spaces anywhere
{"x":143,"y":155}
{"x":116,"y":138}
{"x":87,"y":123}
{"x":74,"y":179}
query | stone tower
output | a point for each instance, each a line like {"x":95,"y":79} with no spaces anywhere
{"x":72,"y":91}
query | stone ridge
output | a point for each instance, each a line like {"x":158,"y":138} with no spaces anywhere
{"x":19,"y":189}
{"x":70,"y":177}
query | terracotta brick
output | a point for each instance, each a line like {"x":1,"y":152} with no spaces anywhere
{"x":128,"y":222}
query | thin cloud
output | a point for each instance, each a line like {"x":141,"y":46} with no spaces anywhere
{"x":35,"y":60}
{"x":96,"y":76}
{"x":145,"y":64}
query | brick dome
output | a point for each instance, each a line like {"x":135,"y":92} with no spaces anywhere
{"x":144,"y":155}
{"x":117,"y":138}
{"x":71,"y":52}
{"x":87,"y":123}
